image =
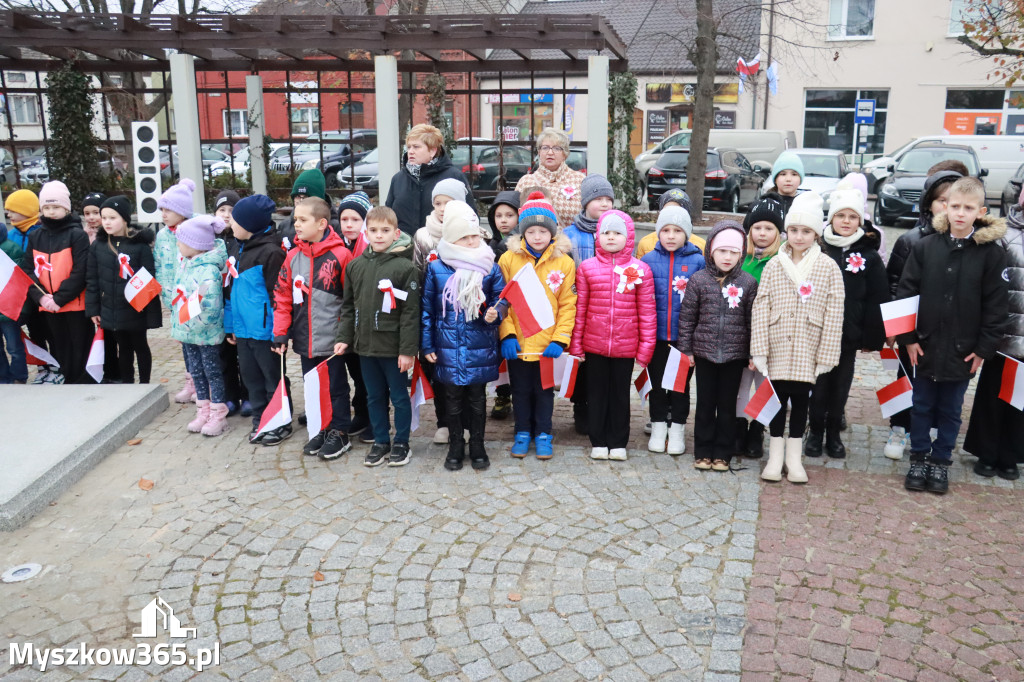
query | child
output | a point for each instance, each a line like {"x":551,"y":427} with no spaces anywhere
{"x":119,"y":251}
{"x":14,"y":371}
{"x":503,"y":217}
{"x":175,"y":207}
{"x":310,"y":183}
{"x":714,"y":333}
{"x":92,"y":223}
{"x":234,"y":387}
{"x":787,"y":174}
{"x":853,"y":245}
{"x":549,"y":253}
{"x":796,"y":330}
{"x":615,"y":325}
{"x":675,"y":197}
{"x":254,"y":262}
{"x":57,"y":259}
{"x":385,"y":342}
{"x":22,"y":209}
{"x":307,"y":308}
{"x":457,"y":334}
{"x":946,"y":355}
{"x":224,"y":204}
{"x":673,"y":262}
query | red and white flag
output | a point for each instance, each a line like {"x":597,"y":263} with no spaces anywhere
{"x":190,"y":308}
{"x":890,"y":359}
{"x":420,"y":392}
{"x":316,"y":388}
{"x":141,"y":289}
{"x":643,"y":385}
{"x":547,"y":370}
{"x":502,"y":379}
{"x":677,"y":368}
{"x":748,"y":68}
{"x":526,"y":294}
{"x":14,"y":284}
{"x":35,"y":355}
{"x":764,"y":404}
{"x":94,"y":365}
{"x":900,"y":316}
{"x":277,"y":413}
{"x":896,"y":397}
{"x":1011,"y":389}
{"x":568,"y":380}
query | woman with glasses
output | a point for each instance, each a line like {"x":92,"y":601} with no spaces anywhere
{"x":553,"y":175}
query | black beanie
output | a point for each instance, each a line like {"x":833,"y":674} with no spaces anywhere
{"x":677,"y":195}
{"x":120,"y":204}
{"x":766,"y":208}
{"x":228,"y":197}
{"x":94,"y":199}
{"x":933,"y":185}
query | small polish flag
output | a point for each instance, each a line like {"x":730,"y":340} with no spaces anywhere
{"x":1011,"y":389}
{"x":35,"y":355}
{"x":316,"y":388}
{"x":547,"y":371}
{"x":900,"y":316}
{"x":896,"y":397}
{"x":764,"y":404}
{"x":568,"y":383}
{"x":94,"y":365}
{"x":14,"y":284}
{"x":890,"y":359}
{"x":643,"y":385}
{"x":190,"y":308}
{"x":525,"y":293}
{"x":676,"y":370}
{"x":141,"y":289}
{"x":420,"y":392}
{"x":502,"y":379}
{"x":277,"y":412}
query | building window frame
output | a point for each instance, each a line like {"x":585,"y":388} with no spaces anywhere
{"x":856,"y":130}
{"x":839,"y":21}
{"x":19,"y":113}
{"x":235,"y":117}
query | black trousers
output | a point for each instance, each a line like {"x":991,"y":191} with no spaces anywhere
{"x":531,"y":403}
{"x":995,"y":434}
{"x":70,"y":340}
{"x":714,"y":427}
{"x":111,"y":364}
{"x":355,"y":370}
{"x":662,"y":401}
{"x":260,"y":369}
{"x":128,"y":346}
{"x":608,"y":383}
{"x":440,"y":396}
{"x":831,"y":391}
{"x":799,"y":393}
{"x":467,"y":409}
{"x":580,"y":396}
{"x":901,"y":418}
{"x":233,"y":385}
{"x":39,"y":329}
{"x":341,"y":414}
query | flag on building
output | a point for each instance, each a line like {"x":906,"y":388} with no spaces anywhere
{"x":764,"y":404}
{"x":277,"y":413}
{"x":1011,"y":389}
{"x":420,"y":392}
{"x":94,"y":365}
{"x":677,"y":367}
{"x":35,"y":355}
{"x":14,"y":284}
{"x":896,"y":397}
{"x":526,"y":294}
{"x":568,"y":381}
{"x":643,"y":385}
{"x":316,"y":389}
{"x":141,"y":289}
{"x":900,"y":316}
{"x":890,"y":359}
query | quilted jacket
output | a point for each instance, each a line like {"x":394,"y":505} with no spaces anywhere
{"x":1013,"y":342}
{"x":672,"y":272}
{"x":61,"y":248}
{"x":866,"y":289}
{"x":104,"y":291}
{"x":196,"y":273}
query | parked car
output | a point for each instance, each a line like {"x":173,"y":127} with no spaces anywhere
{"x":241,"y":162}
{"x":482,"y":169}
{"x":34,"y":169}
{"x":730,"y":181}
{"x":899,"y":197}
{"x":211,"y":155}
{"x":1011,"y":191}
{"x":337,"y":147}
{"x":877,"y":170}
{"x":363,"y":176}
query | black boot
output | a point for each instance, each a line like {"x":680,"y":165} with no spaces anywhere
{"x":812,"y":444}
{"x":741,"y":435}
{"x":755,"y":440}
{"x":456,"y":439}
{"x":475,"y":418}
{"x":833,"y":443}
{"x":456,"y":453}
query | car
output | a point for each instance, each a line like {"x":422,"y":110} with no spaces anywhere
{"x":877,"y":170}
{"x":823,"y":169}
{"x":1011,"y":191}
{"x":211,"y":156}
{"x":577,"y":160}
{"x":34,"y":169}
{"x":730,"y":181}
{"x":482,"y":168}
{"x":337,"y":147}
{"x":899,"y":196}
{"x":362,"y":176}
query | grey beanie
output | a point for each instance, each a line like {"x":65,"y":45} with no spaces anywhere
{"x":450,"y":187}
{"x":675,"y":215}
{"x":594,"y":186}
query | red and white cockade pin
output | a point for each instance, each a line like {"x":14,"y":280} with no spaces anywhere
{"x":732,"y":294}
{"x":806,"y":290}
{"x":855,"y":262}
{"x":555,"y":279}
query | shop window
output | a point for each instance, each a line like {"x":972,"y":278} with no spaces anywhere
{"x":516,"y":120}
{"x":975,"y":99}
{"x":829,"y":121}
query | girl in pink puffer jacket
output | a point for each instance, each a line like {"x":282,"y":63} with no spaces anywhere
{"x":616,"y":323}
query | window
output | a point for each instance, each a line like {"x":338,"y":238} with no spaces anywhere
{"x":353,"y":110}
{"x":829,"y":121}
{"x":305,"y":120}
{"x":969,"y":11}
{"x":235,"y":123}
{"x":851,"y":19}
{"x":16,"y":77}
{"x":975,"y":99}
{"x":24,"y":109}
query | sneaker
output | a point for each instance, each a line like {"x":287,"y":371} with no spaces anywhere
{"x":648,"y":428}
{"x":42,"y":374}
{"x":335,"y":445}
{"x":521,"y":444}
{"x":367,"y":437}
{"x":359,"y":426}
{"x":618,"y":454}
{"x":54,"y":378}
{"x":938,"y":478}
{"x":302,"y":419}
{"x":400,"y":455}
{"x":255,"y":437}
{"x":502,"y":408}
{"x":898,"y":441}
{"x":233,"y":408}
{"x":917,"y":476}
{"x":542,"y":443}
{"x":377,"y":454}
{"x":599,"y":453}
{"x":246,"y":409}
{"x":316,"y":442}
{"x":278,"y":435}
{"x":441,"y":436}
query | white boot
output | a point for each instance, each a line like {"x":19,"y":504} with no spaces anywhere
{"x":659,"y":430}
{"x":677,"y":439}
{"x":776,"y":456}
{"x":599,"y":453}
{"x":794,"y":467}
{"x":618,"y":454}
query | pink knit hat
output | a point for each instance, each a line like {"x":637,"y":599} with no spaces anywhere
{"x":199,"y":232}
{"x":55,"y":193}
{"x":178,"y":198}
{"x":729,"y":239}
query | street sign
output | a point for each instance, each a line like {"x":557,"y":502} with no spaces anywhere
{"x":865,"y":112}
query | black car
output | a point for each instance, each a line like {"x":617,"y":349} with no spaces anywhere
{"x":899,"y":198}
{"x":339,"y":149}
{"x":1011,"y":193}
{"x":481,"y":170}
{"x":729,"y":180}
{"x":577,"y":160}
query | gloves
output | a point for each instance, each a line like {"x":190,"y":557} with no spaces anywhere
{"x":821,"y":369}
{"x":553,"y":350}
{"x":761,"y":364}
{"x":510,"y":348}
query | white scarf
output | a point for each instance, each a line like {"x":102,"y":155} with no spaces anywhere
{"x":434,"y":227}
{"x":464,"y":289}
{"x":834,"y":239}
{"x":798,"y":272}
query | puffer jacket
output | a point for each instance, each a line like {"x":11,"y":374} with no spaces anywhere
{"x":582,"y":242}
{"x":21,"y":238}
{"x":167,"y":259}
{"x":62,"y":249}
{"x":1013,"y":342}
{"x":249,"y":298}
{"x":672,"y":272}
{"x":647,"y":244}
{"x":410,"y":196}
{"x":312,"y":325}
{"x":866,"y":287}
{"x":557,"y":272}
{"x":964,"y":297}
{"x":12,"y":250}
{"x":203,"y":271}
{"x":467,"y":352}
{"x":104,"y":291}
{"x":902,"y":248}
{"x":615,"y":312}
{"x":710,"y":327}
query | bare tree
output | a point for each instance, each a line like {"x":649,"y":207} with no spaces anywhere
{"x":996,"y":30}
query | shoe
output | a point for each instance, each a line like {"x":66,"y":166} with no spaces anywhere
{"x":917,"y":476}
{"x":598,"y":453}
{"x":648,"y":427}
{"x":42,"y":374}
{"x":794,"y":467}
{"x":938,"y":479}
{"x":478,"y":457}
{"x":202,"y":416}
{"x":776,"y":456}
{"x":187,"y":394}
{"x":233,"y":408}
{"x":898,"y":441}
{"x":453,"y":462}
{"x":377,"y":454}
{"x":218,"y":421}
{"x":255,"y":437}
{"x":676,"y":439}
{"x":543,"y":446}
{"x":441,"y":436}
{"x":719,"y":465}
{"x":704,"y":464}
{"x":834,"y":447}
{"x":521,"y":444}
{"x":335,"y":445}
{"x":400,"y":455}
{"x":302,"y":419}
{"x":55,"y":378}
{"x":983,"y":469}
{"x":659,"y":434}
{"x":312,"y":448}
{"x":246,"y":409}
{"x":812,"y":448}
{"x":502,"y":408}
{"x":367,"y":436}
{"x":618,"y":454}
{"x":1010,"y":473}
{"x":278,"y":435}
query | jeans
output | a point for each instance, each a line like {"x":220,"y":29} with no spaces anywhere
{"x":341,"y":414}
{"x":16,"y":369}
{"x":936,"y":403}
{"x":382,"y":378}
{"x":531,"y":404}
{"x":203,"y":363}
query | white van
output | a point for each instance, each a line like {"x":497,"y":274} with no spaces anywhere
{"x":756,"y":145}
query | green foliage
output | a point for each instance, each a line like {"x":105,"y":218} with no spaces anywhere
{"x":622,"y":100}
{"x":434,"y":87}
{"x":72,"y":148}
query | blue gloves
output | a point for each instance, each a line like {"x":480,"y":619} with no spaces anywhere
{"x":510,"y":348}
{"x":553,"y":350}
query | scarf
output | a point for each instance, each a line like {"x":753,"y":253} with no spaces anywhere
{"x":23,"y":225}
{"x":799,"y":272}
{"x":552,"y":177}
{"x":464,"y":290}
{"x":585,"y":224}
{"x":416,"y":168}
{"x":844,"y":243}
{"x":434,"y":227}
{"x":529,"y":250}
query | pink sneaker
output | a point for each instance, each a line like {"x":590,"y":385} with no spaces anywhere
{"x":188,"y":392}
{"x":202,"y":416}
{"x":218,"y":422}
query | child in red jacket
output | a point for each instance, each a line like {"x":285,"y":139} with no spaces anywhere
{"x":616,"y":323}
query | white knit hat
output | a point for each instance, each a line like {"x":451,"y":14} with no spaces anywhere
{"x":460,"y":220}
{"x":675,"y":215}
{"x":806,"y":211}
{"x":850,"y":199}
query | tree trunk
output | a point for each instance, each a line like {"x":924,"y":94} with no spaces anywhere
{"x":704,"y":56}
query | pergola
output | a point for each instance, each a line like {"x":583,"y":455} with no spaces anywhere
{"x":382,"y":44}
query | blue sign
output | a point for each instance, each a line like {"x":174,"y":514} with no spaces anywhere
{"x":865,"y":112}
{"x":537,"y":98}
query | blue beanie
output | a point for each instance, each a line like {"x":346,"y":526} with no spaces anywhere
{"x":254,"y":213}
{"x":788,"y":161}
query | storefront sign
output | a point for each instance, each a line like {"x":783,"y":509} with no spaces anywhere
{"x":964,"y":123}
{"x":511,"y":134}
{"x":683,"y":93}
{"x":657,"y":126}
{"x":725,"y":119}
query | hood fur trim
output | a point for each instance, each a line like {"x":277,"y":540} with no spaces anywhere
{"x":562,"y":245}
{"x":987,"y":228}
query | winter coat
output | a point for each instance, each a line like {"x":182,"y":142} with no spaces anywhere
{"x":467,"y":352}
{"x":104,"y":291}
{"x":312,"y":325}
{"x":168,"y":261}
{"x":582,"y":243}
{"x":557,"y":272}
{"x":13,"y":252}
{"x":786,"y":201}
{"x":21,"y":238}
{"x":365,"y":327}
{"x":866,"y":287}
{"x":249,"y":298}
{"x":672,"y":271}
{"x":615,"y":312}
{"x":497,"y":244}
{"x":424,"y":244}
{"x":286,"y":228}
{"x":647,"y":244}
{"x":410,"y":196}
{"x":63,"y":247}
{"x":798,"y":336}
{"x":901,"y":252}
{"x":564,"y":187}
{"x":1013,"y":342}
{"x":196,"y":273}
{"x":964,"y":297}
